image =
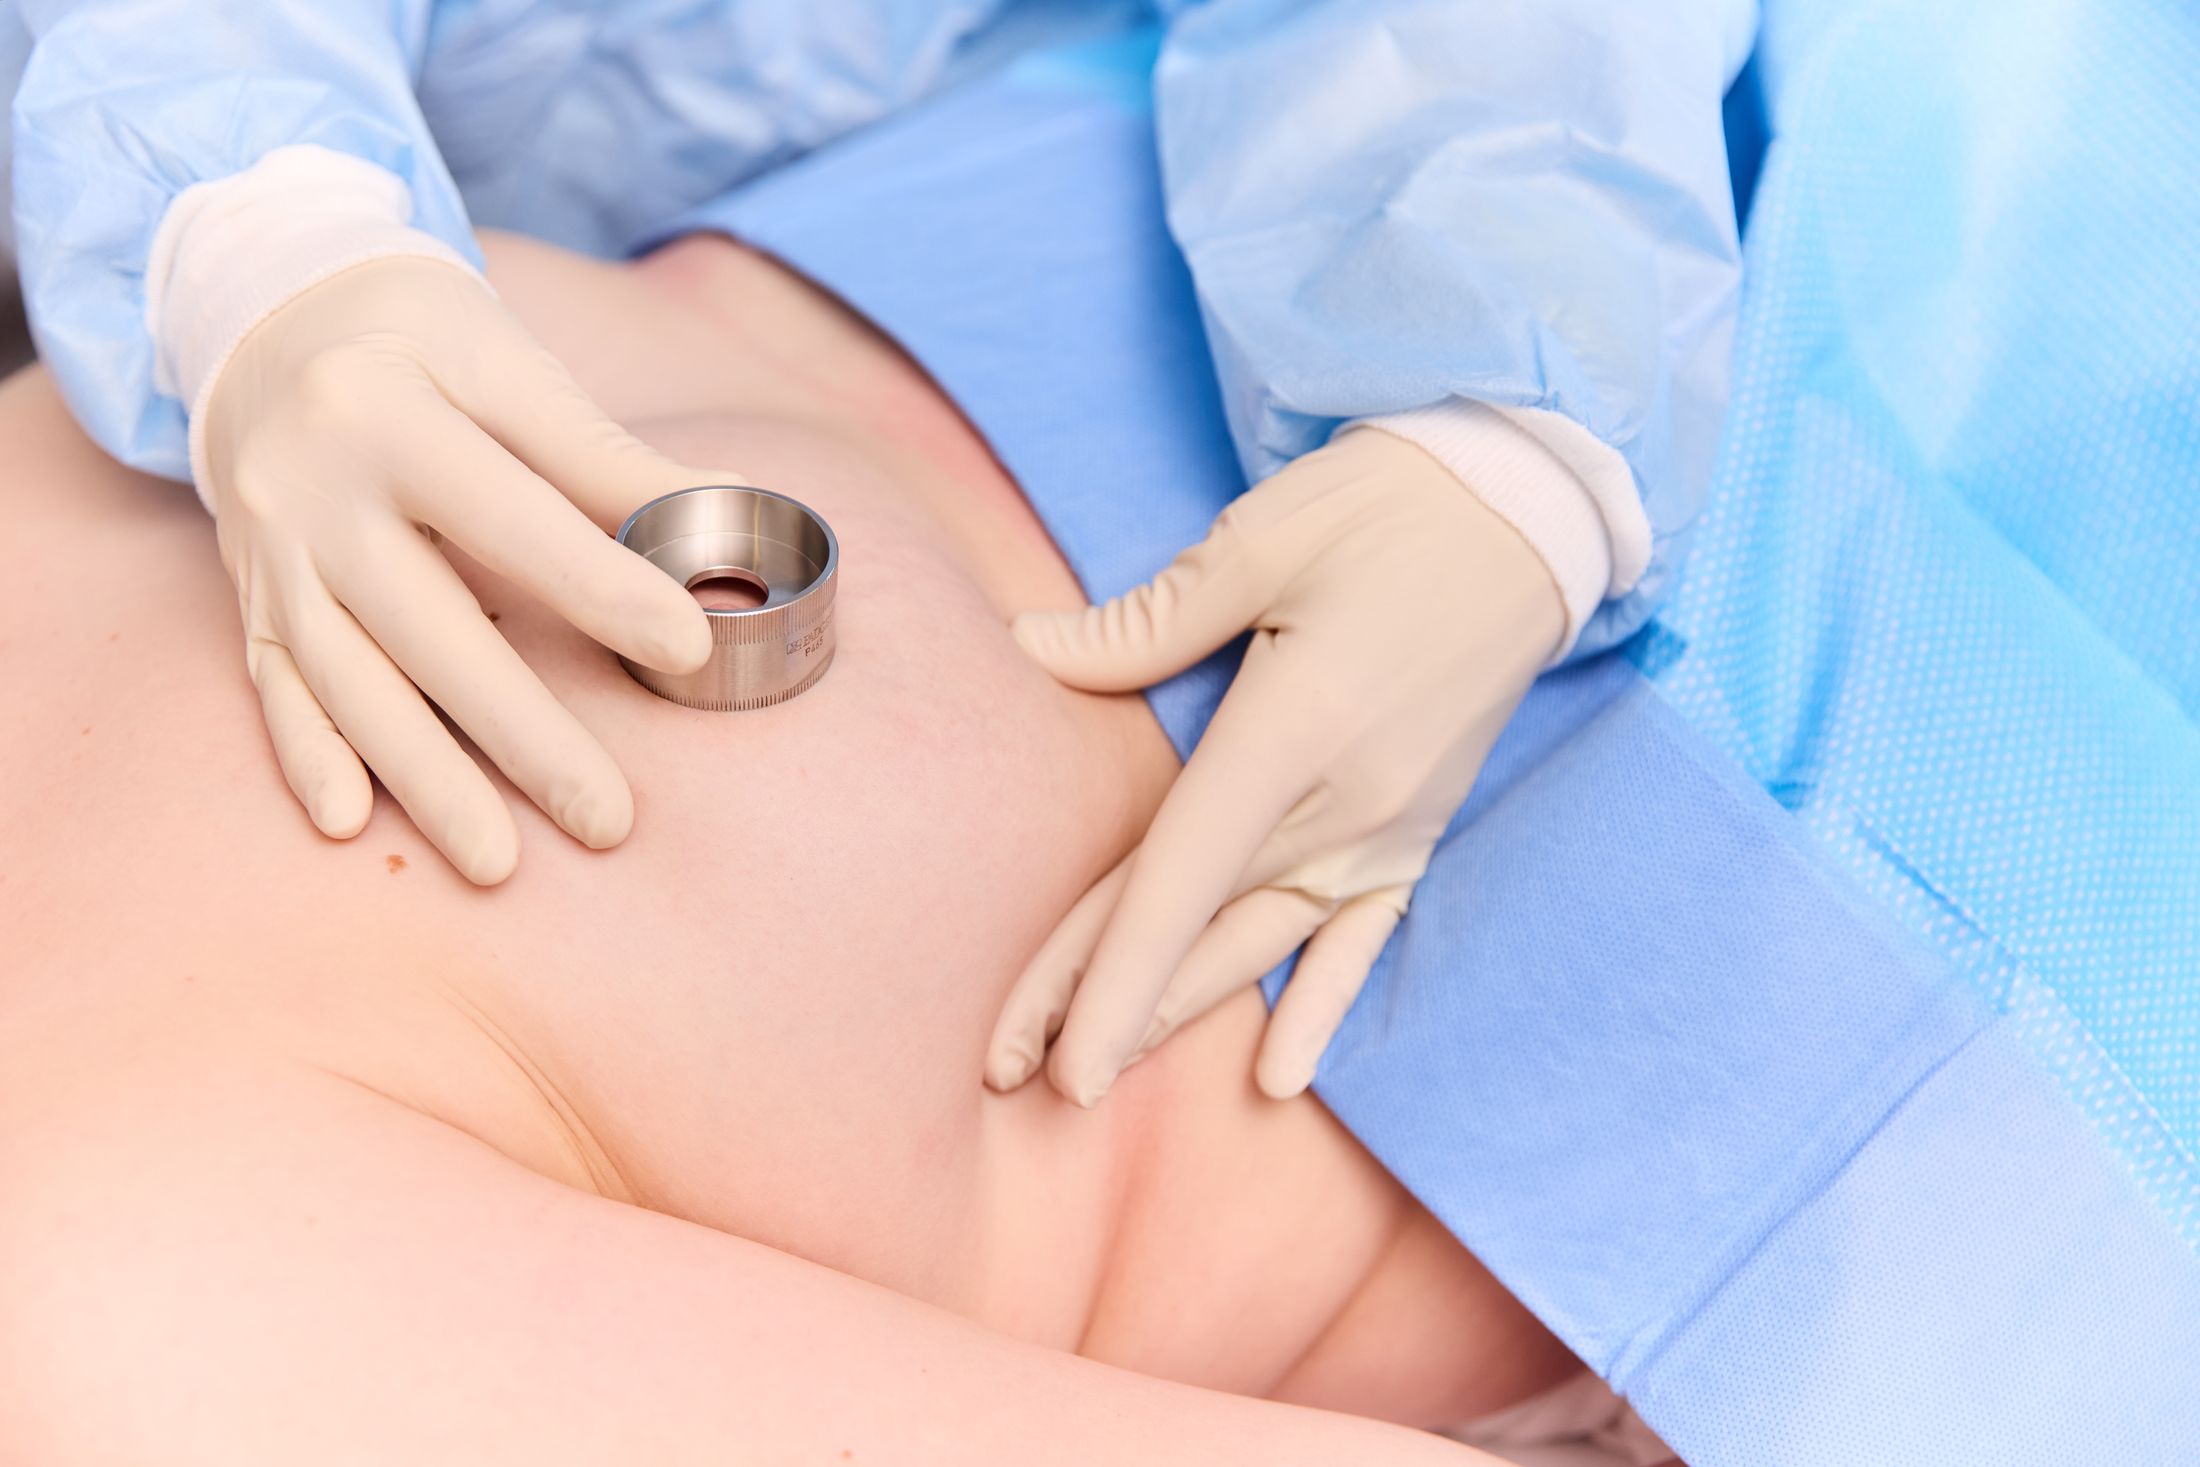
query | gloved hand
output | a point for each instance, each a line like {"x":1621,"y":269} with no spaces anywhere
{"x":393,"y":403}
{"x":1397,"y":621}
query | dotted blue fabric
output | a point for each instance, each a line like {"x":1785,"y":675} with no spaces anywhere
{"x":1946,"y":602}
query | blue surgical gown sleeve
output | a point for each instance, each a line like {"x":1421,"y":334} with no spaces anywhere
{"x":125,"y":103}
{"x":1524,"y":204}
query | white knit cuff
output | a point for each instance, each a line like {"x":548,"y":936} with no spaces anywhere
{"x":1513,"y":468}
{"x":229,"y":253}
{"x":1604,"y":474}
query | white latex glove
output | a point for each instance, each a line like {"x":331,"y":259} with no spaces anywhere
{"x":1397,"y":621}
{"x":392,"y":403}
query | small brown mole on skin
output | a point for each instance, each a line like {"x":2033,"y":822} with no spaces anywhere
{"x":496,"y":616}
{"x":395,"y":862}
{"x":86,"y":729}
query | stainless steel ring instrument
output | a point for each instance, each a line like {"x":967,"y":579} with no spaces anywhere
{"x":763,"y":654}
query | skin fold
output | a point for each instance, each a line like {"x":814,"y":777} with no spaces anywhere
{"x":309,"y":1150}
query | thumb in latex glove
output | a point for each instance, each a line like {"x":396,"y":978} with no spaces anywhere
{"x":389,"y":404}
{"x":1397,"y":621}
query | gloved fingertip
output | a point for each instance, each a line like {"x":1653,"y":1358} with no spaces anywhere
{"x":492,"y":872}
{"x":682,"y":641}
{"x":334,"y":790}
{"x":1042,"y":634}
{"x":601,"y":816}
{"x":1076,"y":1084}
{"x":339,"y":813}
{"x":487,"y":854}
{"x":1007,"y":1068}
{"x":1283,"y":1076}
{"x":1074,"y":649}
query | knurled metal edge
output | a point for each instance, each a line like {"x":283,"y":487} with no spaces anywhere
{"x":744,"y":705}
{"x":782,"y":623}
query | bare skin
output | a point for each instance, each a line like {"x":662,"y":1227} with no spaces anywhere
{"x":312,"y":1152}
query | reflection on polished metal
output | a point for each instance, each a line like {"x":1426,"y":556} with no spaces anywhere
{"x":762,"y":654}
